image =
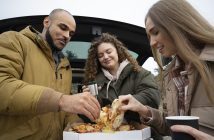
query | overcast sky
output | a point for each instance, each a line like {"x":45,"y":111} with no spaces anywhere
{"x":130,"y":11}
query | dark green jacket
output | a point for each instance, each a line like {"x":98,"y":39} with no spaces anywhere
{"x":140,"y":84}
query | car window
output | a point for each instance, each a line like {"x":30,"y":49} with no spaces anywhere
{"x":79,"y":50}
{"x":151,"y":65}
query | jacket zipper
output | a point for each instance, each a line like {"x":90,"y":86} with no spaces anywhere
{"x":56,"y":73}
{"x":56,"y":70}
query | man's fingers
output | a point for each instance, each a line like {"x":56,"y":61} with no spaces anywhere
{"x":96,"y":103}
{"x":93,"y":109}
{"x":88,"y":114}
{"x":91,"y":104}
{"x":86,"y":104}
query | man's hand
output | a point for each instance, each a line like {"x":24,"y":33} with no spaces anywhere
{"x":198,"y":135}
{"x":82,"y":103}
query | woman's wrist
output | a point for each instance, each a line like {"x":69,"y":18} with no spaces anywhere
{"x":145,"y":114}
{"x":144,"y":111}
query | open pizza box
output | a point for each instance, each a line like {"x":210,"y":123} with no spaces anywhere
{"x":109,"y":126}
{"x":142,"y":134}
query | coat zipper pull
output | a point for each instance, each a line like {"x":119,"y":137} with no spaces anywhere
{"x":56,"y":75}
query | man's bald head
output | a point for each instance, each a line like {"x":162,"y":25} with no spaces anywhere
{"x":55,"y":13}
{"x":58,"y":29}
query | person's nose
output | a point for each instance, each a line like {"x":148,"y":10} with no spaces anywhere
{"x":153,"y":42}
{"x":105,"y":55}
{"x":67,"y":35}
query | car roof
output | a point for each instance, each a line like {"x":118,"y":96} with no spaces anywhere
{"x":134,"y":37}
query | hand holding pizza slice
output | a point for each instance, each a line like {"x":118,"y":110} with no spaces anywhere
{"x":117,"y":115}
{"x":110,"y":120}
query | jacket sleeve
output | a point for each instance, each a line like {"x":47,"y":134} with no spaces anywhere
{"x":16,"y":96}
{"x":158,"y":121}
{"x":146,"y":89}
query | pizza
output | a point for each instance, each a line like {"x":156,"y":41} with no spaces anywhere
{"x":111,"y":119}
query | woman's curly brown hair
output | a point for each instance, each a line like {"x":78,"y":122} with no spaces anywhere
{"x":93,"y":66}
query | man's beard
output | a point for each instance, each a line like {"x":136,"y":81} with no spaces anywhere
{"x":49,"y":39}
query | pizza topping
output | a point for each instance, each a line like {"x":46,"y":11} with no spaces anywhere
{"x":111,"y":119}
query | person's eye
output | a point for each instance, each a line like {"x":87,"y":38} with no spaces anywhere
{"x":155,"y":32}
{"x":62,"y":28}
{"x":108,"y":51}
{"x":100,"y":56}
{"x":71,"y":34}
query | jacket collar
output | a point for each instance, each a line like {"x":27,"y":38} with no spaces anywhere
{"x":35,"y":36}
{"x":100,"y":78}
{"x":207,"y":53}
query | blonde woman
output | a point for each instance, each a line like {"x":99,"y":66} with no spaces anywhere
{"x":175,"y":29}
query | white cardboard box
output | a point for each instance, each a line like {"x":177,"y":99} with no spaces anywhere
{"x":119,"y":135}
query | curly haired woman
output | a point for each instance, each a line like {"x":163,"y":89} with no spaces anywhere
{"x":117,"y":73}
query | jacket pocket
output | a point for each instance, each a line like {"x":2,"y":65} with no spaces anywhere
{"x":21,"y":132}
{"x":205,"y":115}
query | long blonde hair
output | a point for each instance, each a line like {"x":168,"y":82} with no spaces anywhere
{"x":189,"y":31}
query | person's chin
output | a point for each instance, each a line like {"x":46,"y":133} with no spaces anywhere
{"x":108,"y":67}
{"x":166,"y":55}
{"x":60,"y":47}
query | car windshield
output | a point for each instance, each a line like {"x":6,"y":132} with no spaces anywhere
{"x":79,"y":50}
